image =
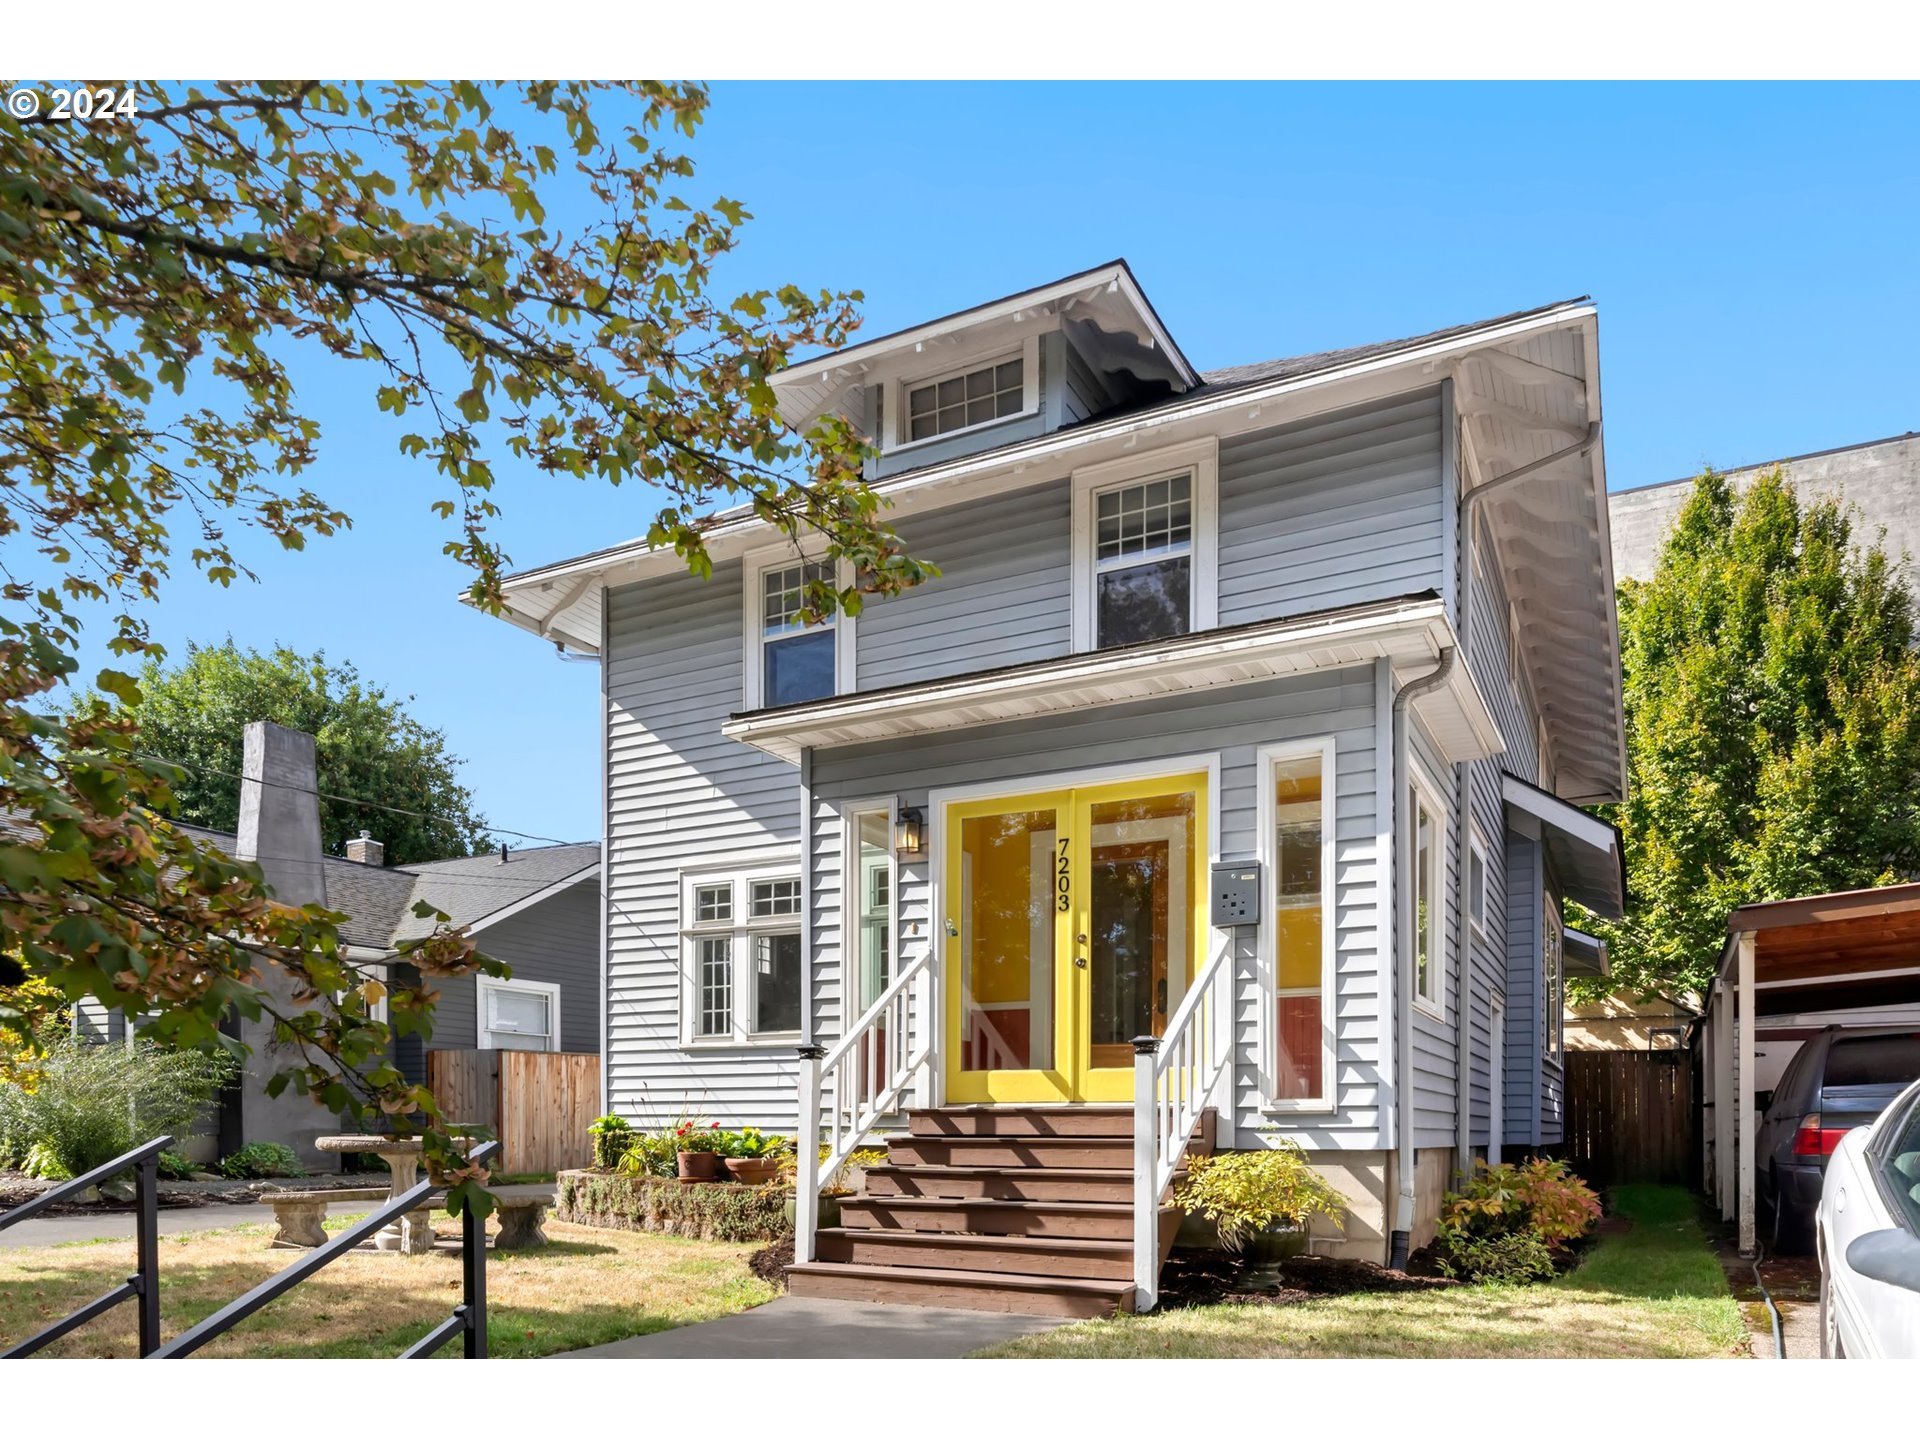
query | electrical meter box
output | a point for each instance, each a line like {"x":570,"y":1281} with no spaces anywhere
{"x":1236,"y":895}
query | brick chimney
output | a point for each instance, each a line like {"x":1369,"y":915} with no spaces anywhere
{"x":366,"y":850}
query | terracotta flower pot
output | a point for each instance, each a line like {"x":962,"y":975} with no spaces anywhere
{"x":754,"y":1169}
{"x":697,"y":1165}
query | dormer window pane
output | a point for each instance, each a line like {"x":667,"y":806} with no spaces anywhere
{"x":975,"y":398}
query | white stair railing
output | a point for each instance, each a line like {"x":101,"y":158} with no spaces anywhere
{"x":846,"y":1091}
{"x":1174,"y":1077}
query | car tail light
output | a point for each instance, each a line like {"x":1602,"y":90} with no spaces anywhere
{"x":1814,"y":1139}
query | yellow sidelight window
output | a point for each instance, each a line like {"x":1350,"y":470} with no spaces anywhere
{"x":1299,"y":927}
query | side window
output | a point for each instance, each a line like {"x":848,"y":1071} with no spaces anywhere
{"x":742,"y":976}
{"x":1896,"y":1163}
{"x":798,"y":658}
{"x":1550,"y":941}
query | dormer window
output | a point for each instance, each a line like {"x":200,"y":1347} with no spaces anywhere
{"x":958,"y":402}
{"x":790,"y":661}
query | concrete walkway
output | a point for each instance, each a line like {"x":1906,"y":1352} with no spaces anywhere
{"x":118,"y":1224}
{"x":803,"y":1329}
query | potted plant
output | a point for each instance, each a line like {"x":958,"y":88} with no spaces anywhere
{"x":613,"y":1137}
{"x":751,"y":1157}
{"x":697,"y":1150}
{"x":1260,"y":1201}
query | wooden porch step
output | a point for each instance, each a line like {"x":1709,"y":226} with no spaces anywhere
{"x":998,"y":1254}
{"x":1000,"y":1182}
{"x":1067,"y":1219}
{"x":1071,"y":1152}
{"x":962,"y":1289}
{"x":1107,"y":1120}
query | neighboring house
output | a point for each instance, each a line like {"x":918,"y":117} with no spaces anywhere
{"x":1194,"y":631}
{"x":1879,"y":480}
{"x":538,"y":910}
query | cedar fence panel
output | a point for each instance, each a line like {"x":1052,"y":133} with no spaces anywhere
{"x":1630,"y":1116}
{"x":538,"y":1103}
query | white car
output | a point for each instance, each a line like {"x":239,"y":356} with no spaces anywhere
{"x":1868,"y":1232}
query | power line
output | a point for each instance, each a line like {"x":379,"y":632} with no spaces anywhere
{"x":351,"y":800}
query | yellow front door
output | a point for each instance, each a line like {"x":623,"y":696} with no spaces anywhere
{"x":1073,"y":923}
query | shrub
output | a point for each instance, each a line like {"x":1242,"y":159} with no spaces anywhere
{"x":90,"y":1102}
{"x":613,"y":1137}
{"x":175,"y":1166}
{"x":1518,"y":1257}
{"x":650,"y":1155}
{"x":1246,"y":1191}
{"x":1539,"y":1195}
{"x":262,"y":1160}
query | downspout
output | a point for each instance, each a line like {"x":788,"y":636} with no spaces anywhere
{"x":1403,"y":980}
{"x":1470,"y":501}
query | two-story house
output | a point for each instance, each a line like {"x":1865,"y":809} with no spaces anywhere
{"x":1223,"y":787}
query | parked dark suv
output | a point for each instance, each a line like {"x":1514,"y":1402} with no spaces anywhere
{"x":1842,"y":1077}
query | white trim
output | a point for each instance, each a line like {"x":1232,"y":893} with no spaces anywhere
{"x":1478,"y":849}
{"x":1834,"y":979}
{"x":894,"y":408}
{"x":1552,"y":988}
{"x":527,"y":902}
{"x":484,"y":983}
{"x":1496,"y":1075}
{"x":1267,"y":959}
{"x":853,"y":1002}
{"x":1199,"y":458}
{"x":843,"y":625}
{"x":1435,"y":1004}
{"x":740,"y":929}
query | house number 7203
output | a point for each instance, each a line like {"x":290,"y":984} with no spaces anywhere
{"x":1062,"y":885}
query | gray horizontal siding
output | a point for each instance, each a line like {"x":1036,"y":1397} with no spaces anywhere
{"x":681,"y":795}
{"x":1232,"y":724}
{"x":1341,"y":509}
{"x":1523,"y":1098}
{"x":1002,"y":597}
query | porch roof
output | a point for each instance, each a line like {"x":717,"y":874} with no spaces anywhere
{"x":1582,"y":954}
{"x":1410,"y":633}
{"x":1585,"y":851}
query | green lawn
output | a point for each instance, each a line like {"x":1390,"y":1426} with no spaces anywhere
{"x":1656,"y":1291}
{"x":589,"y":1287}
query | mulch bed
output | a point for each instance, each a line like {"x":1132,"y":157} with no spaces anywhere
{"x":1213,"y":1277}
{"x":771,"y":1263}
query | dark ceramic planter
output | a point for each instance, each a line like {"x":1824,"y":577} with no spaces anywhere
{"x":698,"y":1165}
{"x":753,"y":1169}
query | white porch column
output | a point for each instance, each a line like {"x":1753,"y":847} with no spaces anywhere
{"x":1747,"y":1118}
{"x":806,"y":1186}
{"x":1724,"y":1160}
{"x":1146,"y":1190}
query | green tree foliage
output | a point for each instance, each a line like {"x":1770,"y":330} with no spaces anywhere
{"x":1773,"y":725}
{"x":367,"y":747}
{"x":156,"y":274}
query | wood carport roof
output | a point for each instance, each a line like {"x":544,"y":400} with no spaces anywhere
{"x":1837,"y":951}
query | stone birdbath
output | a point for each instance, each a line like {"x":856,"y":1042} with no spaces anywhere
{"x":412,"y":1233}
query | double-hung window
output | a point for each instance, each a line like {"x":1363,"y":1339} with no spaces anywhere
{"x":1479,"y":887}
{"x":792,"y":657}
{"x":1145,"y":539}
{"x":1429,"y":897}
{"x":742,"y":979}
{"x":518,"y":1014}
{"x":1550,"y":945}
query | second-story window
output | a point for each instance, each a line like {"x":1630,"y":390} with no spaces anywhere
{"x":796,"y":658}
{"x":1143,"y":561}
{"x":958,"y":402}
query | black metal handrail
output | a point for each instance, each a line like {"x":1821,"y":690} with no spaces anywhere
{"x":144,"y":1283}
{"x":469,"y":1318}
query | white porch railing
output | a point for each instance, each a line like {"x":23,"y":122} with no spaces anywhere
{"x":846,"y":1091}
{"x":1174,"y":1078}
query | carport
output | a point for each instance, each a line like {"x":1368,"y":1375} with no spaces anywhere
{"x":1844,"y":951}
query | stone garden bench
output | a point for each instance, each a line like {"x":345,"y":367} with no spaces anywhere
{"x":520,"y":1223}
{"x":300,"y":1216}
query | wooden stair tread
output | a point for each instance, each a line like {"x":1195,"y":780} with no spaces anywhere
{"x":936,"y":1202}
{"x":943,"y":1172}
{"x":986,"y":1279}
{"x":959,"y":1239}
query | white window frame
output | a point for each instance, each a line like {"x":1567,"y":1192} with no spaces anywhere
{"x":1201,"y":460}
{"x":484,"y":983}
{"x":853,"y":895}
{"x":1482,"y":898}
{"x":894,"y":407}
{"x":753,"y":621}
{"x":1434,"y":1004}
{"x":1553,"y":945}
{"x":1266,"y":759}
{"x":742,"y":929}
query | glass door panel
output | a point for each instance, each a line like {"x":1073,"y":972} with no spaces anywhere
{"x":1139,"y":900}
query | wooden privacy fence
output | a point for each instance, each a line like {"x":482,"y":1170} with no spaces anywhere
{"x":539,"y":1104}
{"x":1630,"y":1116}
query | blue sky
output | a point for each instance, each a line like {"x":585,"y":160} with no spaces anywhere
{"x":1751,"y":249}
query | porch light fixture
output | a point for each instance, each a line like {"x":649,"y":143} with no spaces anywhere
{"x":909,"y":829}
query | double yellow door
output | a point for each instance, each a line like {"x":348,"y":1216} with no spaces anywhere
{"x":1074,"y":919}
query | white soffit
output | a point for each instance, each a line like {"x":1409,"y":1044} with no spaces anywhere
{"x":1409,"y":634}
{"x":1584,"y":850}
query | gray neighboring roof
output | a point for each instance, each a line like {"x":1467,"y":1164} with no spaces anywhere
{"x":473,"y":887}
